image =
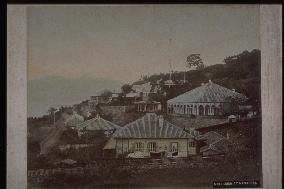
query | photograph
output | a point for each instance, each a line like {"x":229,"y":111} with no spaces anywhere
{"x":144,"y":96}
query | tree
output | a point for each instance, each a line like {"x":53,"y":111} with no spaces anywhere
{"x":126,"y":88}
{"x":230,"y":106}
{"x":194,"y":60}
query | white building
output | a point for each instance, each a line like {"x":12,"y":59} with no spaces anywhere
{"x":151,"y":134}
{"x":208,"y":99}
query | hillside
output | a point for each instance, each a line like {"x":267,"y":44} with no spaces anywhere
{"x":241,"y":72}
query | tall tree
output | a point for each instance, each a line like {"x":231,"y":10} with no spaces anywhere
{"x":194,"y":60}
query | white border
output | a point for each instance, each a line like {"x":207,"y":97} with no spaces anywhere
{"x":271,"y":83}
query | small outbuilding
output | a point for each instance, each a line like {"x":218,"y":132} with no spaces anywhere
{"x":97,"y":124}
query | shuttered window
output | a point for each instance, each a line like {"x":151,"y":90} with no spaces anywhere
{"x":174,"y":147}
{"x":139,"y":146}
{"x":152,"y":146}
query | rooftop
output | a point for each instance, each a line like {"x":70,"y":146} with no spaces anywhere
{"x":214,"y":141}
{"x":97,"y":123}
{"x":209,"y":92}
{"x":151,"y":126}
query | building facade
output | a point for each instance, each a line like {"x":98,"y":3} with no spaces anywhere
{"x":207,"y":100}
{"x":151,"y":134}
{"x":148,"y":106}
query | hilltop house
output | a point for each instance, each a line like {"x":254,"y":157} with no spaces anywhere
{"x":208,"y":99}
{"x":97,"y":124}
{"x":145,"y":89}
{"x":149,"y":135}
{"x":148,"y":106}
{"x":95,"y":100}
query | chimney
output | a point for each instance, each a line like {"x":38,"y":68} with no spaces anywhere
{"x":161,"y":121}
{"x":210,"y":81}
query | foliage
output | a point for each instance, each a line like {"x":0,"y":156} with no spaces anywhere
{"x":194,"y":60}
{"x":69,"y":136}
{"x":126,"y":88}
{"x":230,"y":106}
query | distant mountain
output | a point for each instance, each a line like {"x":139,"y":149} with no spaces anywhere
{"x":49,"y":92}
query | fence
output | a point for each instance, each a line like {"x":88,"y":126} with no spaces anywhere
{"x":142,"y":164}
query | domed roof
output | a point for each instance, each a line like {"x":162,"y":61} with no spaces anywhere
{"x":209,"y":92}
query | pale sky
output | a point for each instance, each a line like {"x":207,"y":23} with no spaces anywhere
{"x":123,"y":42}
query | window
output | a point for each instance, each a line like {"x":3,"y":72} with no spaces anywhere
{"x":174,"y":147}
{"x":152,"y":146}
{"x":139,"y":146}
{"x":191,"y":144}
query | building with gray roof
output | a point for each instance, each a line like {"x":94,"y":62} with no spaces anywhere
{"x":208,"y":99}
{"x":151,"y":134}
{"x":97,"y":124}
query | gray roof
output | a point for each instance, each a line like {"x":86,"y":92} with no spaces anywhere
{"x":220,"y":146}
{"x":209,"y":92}
{"x":149,"y":126}
{"x":97,"y":123}
{"x":210,"y":137}
{"x":214,"y":141}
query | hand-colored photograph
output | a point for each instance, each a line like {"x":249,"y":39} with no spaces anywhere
{"x":144,"y":96}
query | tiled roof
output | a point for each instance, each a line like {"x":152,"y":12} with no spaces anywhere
{"x":132,"y":94}
{"x":214,"y":141}
{"x":210,"y":137}
{"x":220,"y":146}
{"x":149,"y":126}
{"x":209,"y":92}
{"x":146,"y":87}
{"x":97,"y":123}
{"x":147,"y":102}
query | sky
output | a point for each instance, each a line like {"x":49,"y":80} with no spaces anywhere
{"x":126,"y":41}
